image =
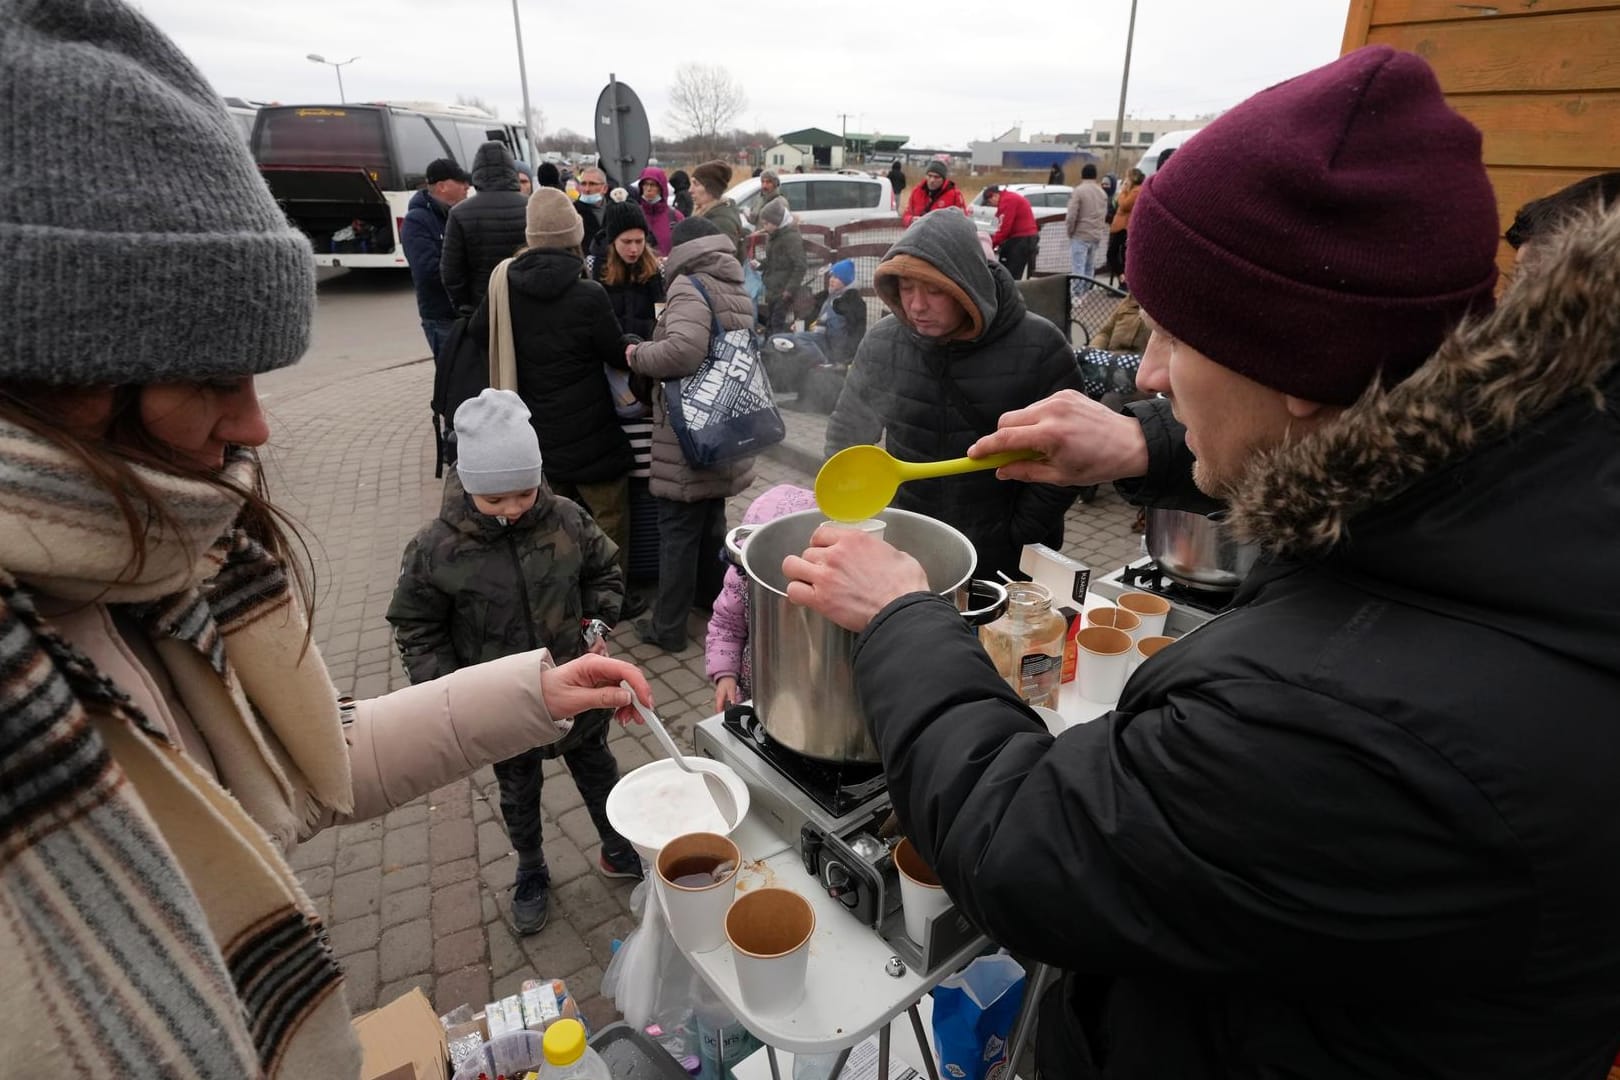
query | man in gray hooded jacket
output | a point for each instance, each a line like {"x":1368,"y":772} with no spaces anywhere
{"x":960,"y":350}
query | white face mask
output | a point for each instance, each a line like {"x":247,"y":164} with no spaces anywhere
{"x":651,"y":199}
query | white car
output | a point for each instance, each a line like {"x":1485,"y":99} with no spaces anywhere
{"x":1040,"y":196}
{"x":824,"y":198}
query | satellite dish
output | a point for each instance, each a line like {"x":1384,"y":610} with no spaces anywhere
{"x":623,"y":138}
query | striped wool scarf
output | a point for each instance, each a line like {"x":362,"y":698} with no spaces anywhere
{"x":149,"y":925}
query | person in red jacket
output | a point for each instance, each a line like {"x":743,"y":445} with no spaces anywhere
{"x":1017,"y":238}
{"x":937,"y":190}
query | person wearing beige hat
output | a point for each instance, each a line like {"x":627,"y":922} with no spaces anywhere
{"x":169,"y":734}
{"x":564,"y":332}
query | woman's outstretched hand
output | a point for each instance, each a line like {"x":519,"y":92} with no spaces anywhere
{"x":592,"y":682}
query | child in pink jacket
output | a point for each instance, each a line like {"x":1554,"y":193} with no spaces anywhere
{"x":725,"y":650}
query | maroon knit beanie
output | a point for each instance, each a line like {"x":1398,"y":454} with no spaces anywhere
{"x":1329,"y":228}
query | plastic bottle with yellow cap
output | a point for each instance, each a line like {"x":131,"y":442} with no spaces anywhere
{"x":567,"y":1055}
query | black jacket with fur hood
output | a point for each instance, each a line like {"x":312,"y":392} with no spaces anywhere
{"x":896,"y":391}
{"x":1367,"y":824}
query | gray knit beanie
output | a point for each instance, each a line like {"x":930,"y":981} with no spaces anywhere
{"x":939,"y":168}
{"x":774,"y":212}
{"x":162,"y":257}
{"x":497,"y":450}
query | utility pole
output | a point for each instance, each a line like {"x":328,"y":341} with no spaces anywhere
{"x":1124,"y":83}
{"x":843,"y":135}
{"x":523,"y":76}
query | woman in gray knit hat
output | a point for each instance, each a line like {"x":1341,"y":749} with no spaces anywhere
{"x":168,"y":732}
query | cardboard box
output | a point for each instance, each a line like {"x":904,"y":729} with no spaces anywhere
{"x":404,"y":1034}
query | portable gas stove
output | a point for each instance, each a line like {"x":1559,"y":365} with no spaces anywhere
{"x":1189,"y":608}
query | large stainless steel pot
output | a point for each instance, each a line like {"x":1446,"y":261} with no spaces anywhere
{"x":1196,"y":551}
{"x":804,"y":691}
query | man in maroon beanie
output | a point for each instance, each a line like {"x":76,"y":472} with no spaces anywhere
{"x":1365,"y":823}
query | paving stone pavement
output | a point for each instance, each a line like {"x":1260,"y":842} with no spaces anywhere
{"x":414,"y":898}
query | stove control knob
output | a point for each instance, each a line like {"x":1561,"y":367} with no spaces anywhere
{"x":896,"y":967}
{"x":839,"y":884}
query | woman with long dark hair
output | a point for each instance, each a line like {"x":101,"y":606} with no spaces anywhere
{"x":629,"y":271}
{"x":168,"y":731}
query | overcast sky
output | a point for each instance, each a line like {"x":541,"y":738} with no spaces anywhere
{"x":944,"y":71}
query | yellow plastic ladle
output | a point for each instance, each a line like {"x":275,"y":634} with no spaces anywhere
{"x":859,"y":481}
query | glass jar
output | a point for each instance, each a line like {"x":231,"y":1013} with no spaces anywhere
{"x":1026,"y":644}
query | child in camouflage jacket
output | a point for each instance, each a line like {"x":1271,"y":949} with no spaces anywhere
{"x":508,"y":566}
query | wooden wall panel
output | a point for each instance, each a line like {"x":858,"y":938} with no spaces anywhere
{"x":1545,"y":52}
{"x":1540,"y":79}
{"x":1385,"y":12}
{"x":1571,"y":131}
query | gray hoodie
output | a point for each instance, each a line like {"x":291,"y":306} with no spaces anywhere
{"x":896,"y":391}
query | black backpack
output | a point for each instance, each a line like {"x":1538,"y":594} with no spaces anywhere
{"x":460,"y":372}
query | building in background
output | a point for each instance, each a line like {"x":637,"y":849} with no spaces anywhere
{"x":813,"y":148}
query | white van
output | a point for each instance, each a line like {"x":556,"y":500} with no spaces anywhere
{"x":1171,"y":141}
{"x":823,"y":198}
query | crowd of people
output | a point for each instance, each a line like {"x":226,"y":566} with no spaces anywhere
{"x":1358,"y":826}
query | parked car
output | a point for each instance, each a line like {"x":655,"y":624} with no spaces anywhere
{"x":823,"y":198}
{"x":1040,"y":196}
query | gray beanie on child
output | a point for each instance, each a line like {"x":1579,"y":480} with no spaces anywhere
{"x":497,"y":450}
{"x":159,"y":256}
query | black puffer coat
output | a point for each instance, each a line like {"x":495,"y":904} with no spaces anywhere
{"x":1366,"y":824}
{"x":564,"y":331}
{"x":896,"y":391}
{"x":484,"y":229}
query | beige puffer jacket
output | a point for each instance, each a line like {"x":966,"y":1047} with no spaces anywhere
{"x":401,"y":745}
{"x":677,"y":349}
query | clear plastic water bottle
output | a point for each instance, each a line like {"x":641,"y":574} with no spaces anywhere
{"x":567,"y":1055}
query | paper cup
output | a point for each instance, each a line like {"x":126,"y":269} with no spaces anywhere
{"x":697,"y":913}
{"x":1103,"y":660}
{"x":875,"y":526}
{"x":1151,"y":609}
{"x":1146,"y":647}
{"x":769,"y":931}
{"x":921,"y":895}
{"x":1118,"y":618}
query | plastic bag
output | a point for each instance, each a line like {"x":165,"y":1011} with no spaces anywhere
{"x":753,"y":281}
{"x":974,"y":1013}
{"x":512,"y":1054}
{"x":648,"y":979}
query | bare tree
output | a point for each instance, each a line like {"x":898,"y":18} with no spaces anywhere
{"x":704,"y":101}
{"x":476,"y":102}
{"x":536,"y":121}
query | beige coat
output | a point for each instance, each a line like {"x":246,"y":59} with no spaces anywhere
{"x":678,"y":347}
{"x":401,"y":745}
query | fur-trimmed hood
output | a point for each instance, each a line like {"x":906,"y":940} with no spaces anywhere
{"x":1555,"y":337}
{"x":1487,"y":483}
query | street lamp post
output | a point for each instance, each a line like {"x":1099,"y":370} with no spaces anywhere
{"x":1124,"y":83}
{"x":523,"y":77}
{"x":337,"y":65}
